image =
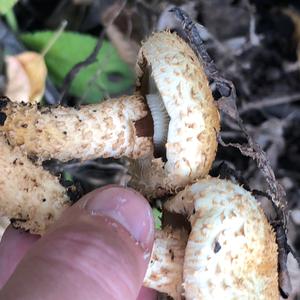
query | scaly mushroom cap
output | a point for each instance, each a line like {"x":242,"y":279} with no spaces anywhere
{"x":164,"y":272}
{"x":30,"y":196}
{"x":194,"y":119}
{"x":231,"y":251}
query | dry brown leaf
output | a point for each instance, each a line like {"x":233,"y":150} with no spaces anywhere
{"x":18,"y":85}
{"x":126,"y":47}
{"x":26,"y":74}
{"x":119,"y":31}
{"x":35,"y":67}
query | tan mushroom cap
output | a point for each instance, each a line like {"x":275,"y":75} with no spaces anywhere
{"x":231,"y":251}
{"x":194,"y":118}
{"x":28,"y":193}
{"x":164,"y":272}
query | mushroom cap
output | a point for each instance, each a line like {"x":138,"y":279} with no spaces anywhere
{"x":29,"y":195}
{"x":194,"y":117}
{"x":231,"y":251}
{"x":164,"y":272}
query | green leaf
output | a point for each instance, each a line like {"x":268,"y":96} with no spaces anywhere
{"x":108,"y":76}
{"x":6,"y":5}
{"x":157,"y":215}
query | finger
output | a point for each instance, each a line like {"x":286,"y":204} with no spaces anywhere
{"x":13,"y":246}
{"x":147,"y":294}
{"x":99,"y":249}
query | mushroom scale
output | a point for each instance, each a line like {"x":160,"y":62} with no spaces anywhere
{"x":231,"y":251}
{"x":194,"y":118}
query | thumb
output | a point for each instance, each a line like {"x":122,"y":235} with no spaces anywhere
{"x":98,"y":249}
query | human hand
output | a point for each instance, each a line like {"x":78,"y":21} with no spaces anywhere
{"x":98,"y":249}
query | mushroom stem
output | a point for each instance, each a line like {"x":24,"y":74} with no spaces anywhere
{"x":113,"y":128}
{"x":39,"y":199}
{"x":164,"y":272}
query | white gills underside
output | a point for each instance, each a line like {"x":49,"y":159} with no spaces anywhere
{"x":161,"y":121}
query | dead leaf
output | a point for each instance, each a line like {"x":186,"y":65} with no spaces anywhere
{"x":18,"y":84}
{"x":126,"y":47}
{"x":35,"y":67}
{"x":120,"y":30}
{"x":26,"y":74}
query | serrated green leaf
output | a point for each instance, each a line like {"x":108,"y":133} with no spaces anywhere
{"x":157,"y":215}
{"x":108,"y":76}
{"x":6,"y":5}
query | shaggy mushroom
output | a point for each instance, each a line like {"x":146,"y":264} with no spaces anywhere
{"x":170,"y":137}
{"x":164,"y":272}
{"x":231,"y":251}
{"x":30,"y":196}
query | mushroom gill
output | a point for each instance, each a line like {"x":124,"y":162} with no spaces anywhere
{"x":161,"y":119}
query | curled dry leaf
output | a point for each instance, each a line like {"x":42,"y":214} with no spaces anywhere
{"x":26,"y":74}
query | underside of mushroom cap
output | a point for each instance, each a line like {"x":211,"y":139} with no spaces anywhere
{"x":231,"y":251}
{"x":194,"y":119}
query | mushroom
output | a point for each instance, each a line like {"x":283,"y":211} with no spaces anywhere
{"x":30,"y":196}
{"x":167,"y":129}
{"x":164,"y":272}
{"x":231,"y":251}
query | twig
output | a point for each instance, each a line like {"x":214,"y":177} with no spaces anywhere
{"x":75,"y":70}
{"x":265,"y":102}
{"x":55,"y":37}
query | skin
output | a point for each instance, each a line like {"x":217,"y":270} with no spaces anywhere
{"x":98,"y":249}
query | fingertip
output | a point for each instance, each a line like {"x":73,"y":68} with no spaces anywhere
{"x":147,"y":294}
{"x":102,"y":243}
{"x":127,"y":207}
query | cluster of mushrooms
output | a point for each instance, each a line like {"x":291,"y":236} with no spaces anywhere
{"x":167,"y":131}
